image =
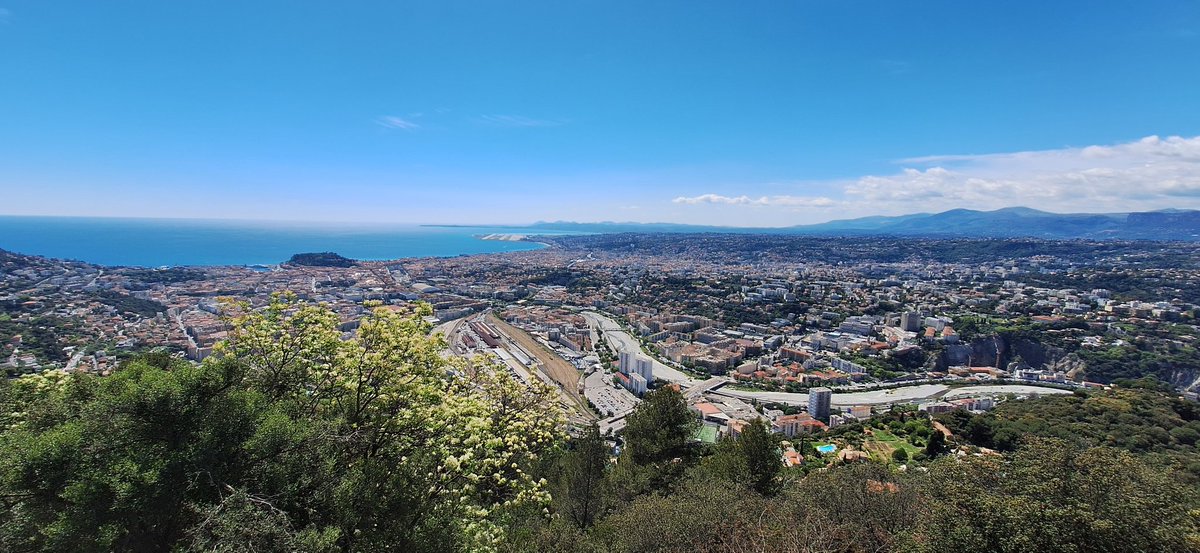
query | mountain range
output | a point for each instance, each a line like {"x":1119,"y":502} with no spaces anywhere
{"x":1009,"y":222}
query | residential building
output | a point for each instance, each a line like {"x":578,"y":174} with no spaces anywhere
{"x":818,"y":403}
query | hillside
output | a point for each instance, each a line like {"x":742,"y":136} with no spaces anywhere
{"x":1010,"y":222}
{"x":298,"y":440}
{"x":322,"y":259}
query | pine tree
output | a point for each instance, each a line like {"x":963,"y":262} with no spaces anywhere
{"x":581,"y":486}
{"x":660,"y":428}
{"x":760,"y":453}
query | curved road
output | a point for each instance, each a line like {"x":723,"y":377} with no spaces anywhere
{"x":622,"y":341}
{"x":904,"y":394}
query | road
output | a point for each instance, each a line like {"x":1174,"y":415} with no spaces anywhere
{"x":905,"y":394}
{"x":1004,"y":389}
{"x":708,"y":385}
{"x":622,"y":341}
{"x":876,"y":397}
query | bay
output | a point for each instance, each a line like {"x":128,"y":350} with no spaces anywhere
{"x":193,"y":242}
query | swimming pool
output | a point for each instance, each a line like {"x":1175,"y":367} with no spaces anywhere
{"x":827,"y":448}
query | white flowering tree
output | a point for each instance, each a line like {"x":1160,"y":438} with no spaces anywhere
{"x":295,"y":436}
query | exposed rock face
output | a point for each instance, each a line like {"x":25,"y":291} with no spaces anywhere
{"x":1011,"y":353}
{"x":1185,"y":379}
{"x":996,"y":351}
{"x":988,"y":351}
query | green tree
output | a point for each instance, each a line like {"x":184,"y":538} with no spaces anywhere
{"x":289,"y":439}
{"x":1052,"y":496}
{"x":761,"y":452}
{"x":581,"y":489}
{"x":657,"y":449}
{"x":1185,"y":435}
{"x":900,"y":455}
{"x":936,"y":445}
{"x":752,"y":459}
{"x":659,"y":428}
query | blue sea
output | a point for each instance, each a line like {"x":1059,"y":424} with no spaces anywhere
{"x":181,"y":242}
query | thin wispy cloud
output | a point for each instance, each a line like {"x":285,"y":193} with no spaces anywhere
{"x":779,"y":201}
{"x":417,"y":120}
{"x":519,"y":121}
{"x":1147,"y":174}
{"x":394,"y":122}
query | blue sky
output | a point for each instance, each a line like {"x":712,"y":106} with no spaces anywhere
{"x":739,"y":113}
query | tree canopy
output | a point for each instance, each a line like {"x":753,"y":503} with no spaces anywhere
{"x":298,"y":437}
{"x":290,"y":439}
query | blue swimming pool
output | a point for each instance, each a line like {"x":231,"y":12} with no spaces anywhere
{"x":827,"y":448}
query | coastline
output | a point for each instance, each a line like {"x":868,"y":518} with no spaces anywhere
{"x":191,"y":243}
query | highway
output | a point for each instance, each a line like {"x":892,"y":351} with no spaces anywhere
{"x":622,"y":341}
{"x":904,"y":394}
{"x":700,"y":388}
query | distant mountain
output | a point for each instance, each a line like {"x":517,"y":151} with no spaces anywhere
{"x":609,"y":227}
{"x":864,"y":223}
{"x":1026,"y":222}
{"x":1010,"y":222}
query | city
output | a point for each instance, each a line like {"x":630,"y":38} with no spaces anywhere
{"x":444,"y":276}
{"x":744,"y":335}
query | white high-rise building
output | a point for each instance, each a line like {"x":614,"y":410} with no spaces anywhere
{"x":818,"y":403}
{"x":632,"y":363}
{"x":625,"y":361}
{"x":644,"y":367}
{"x":637,"y":384}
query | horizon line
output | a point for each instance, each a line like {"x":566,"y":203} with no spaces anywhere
{"x":332,"y":222}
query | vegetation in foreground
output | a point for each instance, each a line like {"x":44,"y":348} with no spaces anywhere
{"x":293,"y":439}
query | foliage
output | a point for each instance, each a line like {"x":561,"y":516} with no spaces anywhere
{"x":856,"y":508}
{"x":658,"y":448}
{"x":580,"y":491}
{"x":169,"y":275}
{"x":130,"y":304}
{"x":1136,"y":420}
{"x":936,"y":445}
{"x":321,"y":259}
{"x":752,"y":459}
{"x":659,"y":428}
{"x":1160,"y":358}
{"x":291,"y":439}
{"x":1052,"y":496}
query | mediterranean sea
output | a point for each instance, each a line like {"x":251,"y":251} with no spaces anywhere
{"x":180,"y":242}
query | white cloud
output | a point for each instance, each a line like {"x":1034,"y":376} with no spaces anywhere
{"x":785,"y":201}
{"x":1151,"y":173}
{"x":394,"y":122}
{"x":519,"y":121}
